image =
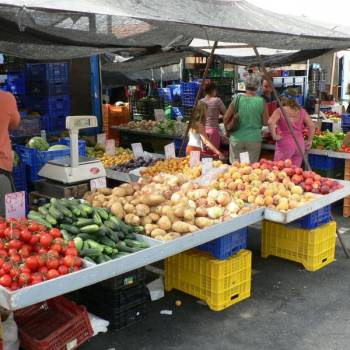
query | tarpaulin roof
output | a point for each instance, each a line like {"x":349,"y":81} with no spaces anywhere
{"x":48,"y":29}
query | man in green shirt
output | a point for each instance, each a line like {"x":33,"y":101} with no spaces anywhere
{"x":253,"y":114}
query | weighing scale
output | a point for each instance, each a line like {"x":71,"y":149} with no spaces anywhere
{"x":74,"y":169}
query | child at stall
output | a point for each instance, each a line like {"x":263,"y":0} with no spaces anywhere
{"x":197,"y":135}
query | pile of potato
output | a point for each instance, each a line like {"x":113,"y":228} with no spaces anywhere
{"x":167,"y":205}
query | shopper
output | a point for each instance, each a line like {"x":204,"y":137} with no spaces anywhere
{"x":253,"y":114}
{"x":215,"y":108}
{"x":9,"y":119}
{"x":266,"y":90}
{"x":197,"y":134}
{"x":286,"y":147}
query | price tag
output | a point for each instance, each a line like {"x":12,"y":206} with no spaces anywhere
{"x":244,"y":157}
{"x":137,"y":150}
{"x":101,"y":139}
{"x":159,"y":114}
{"x":207,"y":164}
{"x":15,"y":205}
{"x":195,"y":157}
{"x":110,"y":147}
{"x":169,"y":151}
{"x":43,"y":134}
{"x":98,"y":183}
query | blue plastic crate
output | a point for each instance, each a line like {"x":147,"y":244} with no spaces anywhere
{"x":191,"y":87}
{"x":19,"y":177}
{"x":324,"y":163}
{"x":177,"y":112}
{"x":16,"y":83}
{"x":345,"y":120}
{"x":47,"y":71}
{"x":228,"y":245}
{"x":53,"y":123}
{"x":165,"y":93}
{"x":51,"y":105}
{"x":188,"y":100}
{"x":47,"y":88}
{"x":175,"y":90}
{"x":315,"y":219}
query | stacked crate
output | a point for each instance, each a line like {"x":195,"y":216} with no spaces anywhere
{"x":189,"y":92}
{"x":121,"y":300}
{"x":47,"y":88}
{"x":218,"y":272}
{"x":327,"y":166}
{"x":309,"y":241}
{"x":346,"y":207}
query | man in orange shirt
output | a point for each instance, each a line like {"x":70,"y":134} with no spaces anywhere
{"x":9,"y":119}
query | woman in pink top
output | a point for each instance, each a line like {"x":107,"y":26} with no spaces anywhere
{"x":215,"y":109}
{"x":285,"y":144}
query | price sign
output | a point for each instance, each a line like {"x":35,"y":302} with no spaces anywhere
{"x":207,"y":164}
{"x":98,"y":183}
{"x":195,"y":157}
{"x":43,"y":134}
{"x":244,"y":157}
{"x":15,"y":205}
{"x":159,"y":114}
{"x":169,"y":151}
{"x":110,"y":147}
{"x":137,"y":149}
{"x":101,"y":139}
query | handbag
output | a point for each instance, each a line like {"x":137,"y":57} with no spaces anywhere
{"x":232,"y":124}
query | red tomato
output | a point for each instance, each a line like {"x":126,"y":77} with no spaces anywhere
{"x":36,"y":278}
{"x":52,"y":273}
{"x":68,"y":260}
{"x":34,"y":240}
{"x":43,"y":270}
{"x":24,"y":252}
{"x":52,"y":263}
{"x":59,"y":240}
{"x":1,"y":261}
{"x":42,"y":228}
{"x":25,"y":269}
{"x":14,"y":286}
{"x":5,"y":280}
{"x":2,"y":245}
{"x":53,"y":253}
{"x":13,"y":251}
{"x":3,"y":253}
{"x":41,"y":260}
{"x":16,"y":258}
{"x":26,"y":235}
{"x":7,"y":266}
{"x":23,"y":279}
{"x":55,"y":232}
{"x":32,"y":263}
{"x":77,"y":261}
{"x":71,"y":244}
{"x":15,"y":243}
{"x":3,"y":225}
{"x":12,"y":233}
{"x":14,"y":272}
{"x":72,"y":251}
{"x":76,"y":268}
{"x":33,"y":227}
{"x":63,"y":269}
{"x":41,"y":250}
{"x":56,"y":247}
{"x":45,"y":240}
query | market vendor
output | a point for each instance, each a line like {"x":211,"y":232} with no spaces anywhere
{"x":215,"y":108}
{"x":9,"y":119}
{"x":266,"y":90}
{"x":299,"y":118}
{"x":197,"y":135}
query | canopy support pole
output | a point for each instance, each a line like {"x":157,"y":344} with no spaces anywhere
{"x":262,"y":65}
{"x":199,"y":93}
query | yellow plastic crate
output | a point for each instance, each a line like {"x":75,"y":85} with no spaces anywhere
{"x":313,"y":248}
{"x":220,"y":283}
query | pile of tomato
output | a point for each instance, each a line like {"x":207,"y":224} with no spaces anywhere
{"x":30,"y":254}
{"x":345,"y":149}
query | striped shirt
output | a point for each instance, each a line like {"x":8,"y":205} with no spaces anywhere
{"x":215,"y":108}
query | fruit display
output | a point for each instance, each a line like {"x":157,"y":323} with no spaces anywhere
{"x":175,"y":166}
{"x":168,"y":206}
{"x":142,"y":124}
{"x":96,"y":151}
{"x":279,"y":185}
{"x":333,"y":116}
{"x":123,"y":155}
{"x":328,"y":140}
{"x":98,"y":235}
{"x":134,"y":164}
{"x":38,"y":143}
{"x":31,"y":253}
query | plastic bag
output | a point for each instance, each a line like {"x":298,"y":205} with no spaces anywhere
{"x":10,"y":334}
{"x":98,"y":324}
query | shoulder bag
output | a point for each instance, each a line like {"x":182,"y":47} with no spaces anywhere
{"x":232,"y":124}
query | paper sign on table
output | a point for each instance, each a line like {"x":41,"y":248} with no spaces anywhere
{"x":15,"y":205}
{"x":101,"y":139}
{"x":244,"y":157}
{"x":98,"y":183}
{"x":207,"y":164}
{"x":137,"y":149}
{"x":110,"y":147}
{"x":159,"y":114}
{"x":169,"y":151}
{"x":195,"y":157}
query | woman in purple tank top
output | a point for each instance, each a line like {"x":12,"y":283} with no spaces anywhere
{"x":299,"y":119}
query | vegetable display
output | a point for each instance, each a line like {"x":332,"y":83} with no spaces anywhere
{"x":98,"y":235}
{"x":38,"y":143}
{"x":328,"y":140}
{"x":31,"y":253}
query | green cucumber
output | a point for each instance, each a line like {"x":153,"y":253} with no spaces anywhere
{"x":65,"y":211}
{"x":108,"y":250}
{"x":86,"y":258}
{"x":53,"y":200}
{"x":89,"y":229}
{"x":103,"y":213}
{"x":83,"y":213}
{"x":66,"y":235}
{"x":100,"y":259}
{"x":67,"y":220}
{"x":78,"y":243}
{"x":49,"y":218}
{"x":107,"y":258}
{"x":113,"y":236}
{"x":85,"y":236}
{"x":84,"y":222}
{"x":122,"y":247}
{"x":121,"y":225}
{"x":120,"y":255}
{"x":43,"y":211}
{"x":70,"y":228}
{"x":97,"y":218}
{"x":108,"y":242}
{"x":76,"y":211}
{"x":110,"y":224}
{"x":54,"y":212}
{"x":90,"y":252}
{"x":136,"y":244}
{"x":95,"y":245}
{"x":121,"y":235}
{"x":39,"y":220}
{"x":34,"y":214}
{"x":131,"y":236}
{"x":47,"y":206}
{"x":87,"y":208}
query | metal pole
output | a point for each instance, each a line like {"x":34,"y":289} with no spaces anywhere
{"x":205,"y":74}
{"x":306,"y":162}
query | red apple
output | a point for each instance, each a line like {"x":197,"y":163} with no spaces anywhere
{"x":324,"y":190}
{"x":256,"y":165}
{"x":316,"y":185}
{"x":308,"y":188}
{"x":309,"y":181}
{"x":289,"y":171}
{"x":287,"y":163}
{"x":297,"y":179}
{"x":317,"y":177}
{"x":308,"y":174}
{"x":280,"y":164}
{"x":298,"y":171}
{"x":329,"y":183}
{"x":315,"y":190}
